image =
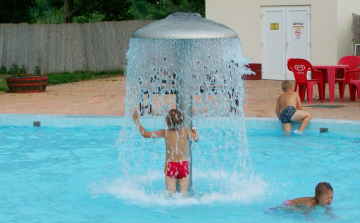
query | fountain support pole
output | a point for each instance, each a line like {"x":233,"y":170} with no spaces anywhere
{"x":184,"y":104}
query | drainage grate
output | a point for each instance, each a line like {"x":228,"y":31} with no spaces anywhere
{"x":322,"y":130}
{"x":37,"y":123}
{"x":324,"y":106}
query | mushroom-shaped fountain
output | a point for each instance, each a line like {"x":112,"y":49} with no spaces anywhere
{"x":198,"y":60}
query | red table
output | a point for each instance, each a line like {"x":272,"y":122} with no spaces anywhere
{"x":329,"y":71}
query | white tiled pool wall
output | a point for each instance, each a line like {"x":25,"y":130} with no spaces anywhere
{"x":345,"y":127}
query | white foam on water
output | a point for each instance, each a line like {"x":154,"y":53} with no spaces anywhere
{"x":150,"y":190}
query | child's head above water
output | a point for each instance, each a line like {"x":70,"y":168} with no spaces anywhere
{"x":324,"y":193}
{"x":174,"y":119}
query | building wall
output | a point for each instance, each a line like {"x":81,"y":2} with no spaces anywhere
{"x":344,"y":31}
{"x":324,"y":32}
{"x":345,"y":10}
{"x":330,"y":25}
{"x":244,"y":18}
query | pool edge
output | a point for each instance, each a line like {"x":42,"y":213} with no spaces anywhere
{"x":347,"y":127}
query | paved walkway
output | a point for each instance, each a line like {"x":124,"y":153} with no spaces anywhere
{"x":107,"y":97}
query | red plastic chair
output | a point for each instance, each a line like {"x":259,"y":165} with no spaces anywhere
{"x":353,"y":62}
{"x":289,"y":68}
{"x":354,"y":84}
{"x":300,"y":67}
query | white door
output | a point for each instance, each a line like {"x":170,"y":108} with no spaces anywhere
{"x":273,"y":43}
{"x":297,"y":35}
{"x":285,"y":34}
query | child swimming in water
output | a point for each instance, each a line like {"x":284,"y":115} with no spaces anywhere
{"x":176,"y":164}
{"x":323,"y":196}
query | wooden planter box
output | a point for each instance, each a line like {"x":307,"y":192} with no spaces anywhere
{"x":27,"y":84}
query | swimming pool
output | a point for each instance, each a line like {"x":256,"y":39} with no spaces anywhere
{"x":73,"y":174}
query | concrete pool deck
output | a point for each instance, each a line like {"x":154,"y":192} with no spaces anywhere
{"x":106,"y":97}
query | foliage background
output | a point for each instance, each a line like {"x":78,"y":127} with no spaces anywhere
{"x":87,"y":11}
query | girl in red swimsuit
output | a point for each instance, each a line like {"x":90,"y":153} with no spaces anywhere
{"x":176,"y":164}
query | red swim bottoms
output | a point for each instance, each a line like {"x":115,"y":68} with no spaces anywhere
{"x":177,"y":170}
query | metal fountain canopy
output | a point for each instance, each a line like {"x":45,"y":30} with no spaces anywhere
{"x":184,"y":26}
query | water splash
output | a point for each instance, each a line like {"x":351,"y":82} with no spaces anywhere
{"x":204,"y":76}
{"x":210,"y":70}
{"x":148,"y":190}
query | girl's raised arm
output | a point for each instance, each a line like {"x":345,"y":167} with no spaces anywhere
{"x":153,"y":134}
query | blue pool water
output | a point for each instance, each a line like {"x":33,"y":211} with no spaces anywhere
{"x":74,"y":174}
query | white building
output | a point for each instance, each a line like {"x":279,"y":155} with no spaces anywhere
{"x":271,"y":31}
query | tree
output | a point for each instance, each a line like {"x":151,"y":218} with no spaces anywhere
{"x":82,"y":11}
{"x":47,"y":12}
{"x":69,"y":11}
{"x":198,"y":6}
{"x":52,"y":12}
{"x":113,"y":10}
{"x":159,"y":9}
{"x":15,"y":11}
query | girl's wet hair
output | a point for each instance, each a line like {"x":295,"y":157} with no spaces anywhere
{"x":174,"y":119}
{"x":319,"y":189}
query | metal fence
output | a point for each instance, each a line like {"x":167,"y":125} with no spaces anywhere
{"x":67,"y":47}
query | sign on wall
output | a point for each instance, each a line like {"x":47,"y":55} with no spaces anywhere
{"x":274,"y":26}
{"x":298,"y":26}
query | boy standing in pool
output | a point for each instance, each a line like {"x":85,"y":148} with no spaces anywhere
{"x":323,"y":196}
{"x":288,"y":109}
{"x":176,"y":164}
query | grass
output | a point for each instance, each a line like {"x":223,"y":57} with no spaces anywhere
{"x":66,"y":77}
{"x":3,"y":85}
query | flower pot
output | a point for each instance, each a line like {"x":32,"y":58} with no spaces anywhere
{"x":34,"y":84}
